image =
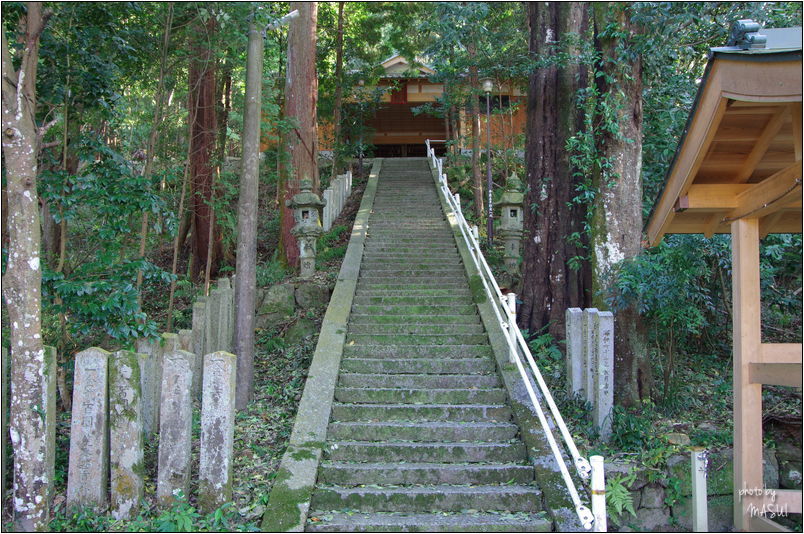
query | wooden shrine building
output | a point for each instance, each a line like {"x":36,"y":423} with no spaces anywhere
{"x":738,"y":170}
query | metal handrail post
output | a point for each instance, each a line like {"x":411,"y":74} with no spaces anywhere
{"x":598,"y":493}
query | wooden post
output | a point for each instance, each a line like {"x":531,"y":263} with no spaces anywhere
{"x":747,"y":339}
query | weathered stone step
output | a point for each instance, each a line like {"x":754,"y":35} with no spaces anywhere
{"x":355,"y":319}
{"x":420,"y":412}
{"x":407,"y":328}
{"x":419,"y":246}
{"x":418,"y":299}
{"x":417,"y":339}
{"x":439,"y":452}
{"x":426,"y":498}
{"x":425,"y":309}
{"x":372,"y":258}
{"x":434,"y":351}
{"x":370,"y":285}
{"x":436,"y":271}
{"x":434,"y":522}
{"x":412,"y":262}
{"x":442,"y":292}
{"x":410,"y":238}
{"x":419,"y":396}
{"x":355,"y":474}
{"x":389,"y":380}
{"x":445,"y":366}
{"x":422,"y":431}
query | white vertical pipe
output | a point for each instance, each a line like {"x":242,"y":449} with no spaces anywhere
{"x":598,"y":493}
{"x":511,"y":301}
{"x":700,"y":520}
{"x":476,"y":232}
{"x":457,"y":197}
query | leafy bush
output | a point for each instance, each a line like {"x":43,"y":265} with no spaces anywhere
{"x":270,"y":272}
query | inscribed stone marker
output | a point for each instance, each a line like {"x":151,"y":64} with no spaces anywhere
{"x":88,"y":471}
{"x":590,"y":352}
{"x":199,"y":326}
{"x":575,"y":354}
{"x":125,"y":434}
{"x":186,"y":340}
{"x":149,"y":355}
{"x":175,"y":427}
{"x":217,"y":430}
{"x":604,"y":379}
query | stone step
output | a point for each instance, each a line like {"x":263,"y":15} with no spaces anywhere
{"x":437,"y":271}
{"x":356,"y":328}
{"x":358,"y":319}
{"x":417,"y":339}
{"x":419,"y":396}
{"x":355,"y":474}
{"x":421,"y":431}
{"x":385,"y":258}
{"x":425,"y":309}
{"x":427,"y":522}
{"x":388,"y":380}
{"x":439,"y":452}
{"x":417,"y":351}
{"x":445,"y":366}
{"x":427,"y":498}
{"x":420,"y":412}
{"x":418,"y":300}
{"x":443,"y":292}
{"x":370,"y":285}
{"x":411,"y":239}
{"x":412,"y":262}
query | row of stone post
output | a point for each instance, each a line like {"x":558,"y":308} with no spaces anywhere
{"x":109,"y":427}
{"x":590,"y":362}
{"x":212,"y":326}
{"x":335,"y":196}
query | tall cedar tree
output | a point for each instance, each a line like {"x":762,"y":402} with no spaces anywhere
{"x":31,"y":405}
{"x":550,"y":285}
{"x":616,"y":229}
{"x":203,"y":136}
{"x":301,"y":142}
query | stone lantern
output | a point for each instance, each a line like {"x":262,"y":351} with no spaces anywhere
{"x":306,"y":207}
{"x":512,"y":221}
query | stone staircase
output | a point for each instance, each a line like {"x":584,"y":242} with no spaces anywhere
{"x":420,"y":436}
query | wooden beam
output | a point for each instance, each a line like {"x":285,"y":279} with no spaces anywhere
{"x":712,"y":224}
{"x":746,"y":348}
{"x":780,"y":353}
{"x":776,"y":374}
{"x":766,"y":224}
{"x":761,"y":146}
{"x":763,"y":524}
{"x":709,"y":197}
{"x":795,"y":115}
{"x":770,"y":500}
{"x":769,"y":195}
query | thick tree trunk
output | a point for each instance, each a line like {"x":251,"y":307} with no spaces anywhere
{"x":246,"y":279}
{"x":474,"y":106}
{"x":616,"y":230}
{"x":550,"y":285}
{"x":301,"y":143}
{"x":30,"y":401}
{"x":203,"y":129}
{"x":336,"y":116}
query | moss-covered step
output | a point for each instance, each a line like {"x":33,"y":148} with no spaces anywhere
{"x":355,"y":474}
{"x":416,"y":339}
{"x":390,"y":257}
{"x":326,"y":521}
{"x":418,"y":366}
{"x":415,"y":328}
{"x":420,"y":412}
{"x":420,"y":396}
{"x":444,"y":300}
{"x":433,"y":292}
{"x":412,"y":351}
{"x":347,"y":379}
{"x":370,"y":285}
{"x":422,"y":431}
{"x":369,"y":309}
{"x":361,"y":319}
{"x":426,"y":498}
{"x":442,"y":452}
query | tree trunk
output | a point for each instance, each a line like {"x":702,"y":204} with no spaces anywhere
{"x":336,"y":117}
{"x":474,"y":106}
{"x":550,"y":285}
{"x":616,"y":229}
{"x":30,"y":402}
{"x":301,"y":91}
{"x":203,"y":129}
{"x":246,"y":279}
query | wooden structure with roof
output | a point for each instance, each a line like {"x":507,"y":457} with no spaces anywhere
{"x":738,"y":170}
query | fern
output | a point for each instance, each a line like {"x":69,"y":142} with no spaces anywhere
{"x":618,"y":496}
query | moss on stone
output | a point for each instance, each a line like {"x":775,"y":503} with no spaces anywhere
{"x":282,"y":513}
{"x":477,"y":289}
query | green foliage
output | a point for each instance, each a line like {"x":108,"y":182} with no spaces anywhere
{"x":332,"y":245}
{"x":270,"y":272}
{"x":618,"y":496}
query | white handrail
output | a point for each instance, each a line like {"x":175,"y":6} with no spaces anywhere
{"x":516,"y":344}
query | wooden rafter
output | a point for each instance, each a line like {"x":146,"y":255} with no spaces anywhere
{"x":762,"y":144}
{"x":795,"y":114}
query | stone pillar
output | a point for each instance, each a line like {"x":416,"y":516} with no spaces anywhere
{"x":327,"y":223}
{"x":6,"y":385}
{"x":149,"y":353}
{"x":575,"y":353}
{"x":88,"y":471}
{"x":175,"y":427}
{"x":589,"y":326}
{"x":604,"y":374}
{"x":125,"y":434}
{"x":217,"y":431}
{"x":210,"y":320}
{"x":186,"y":340}
{"x":225,"y":326}
{"x":199,"y":326}
{"x":348,"y":183}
